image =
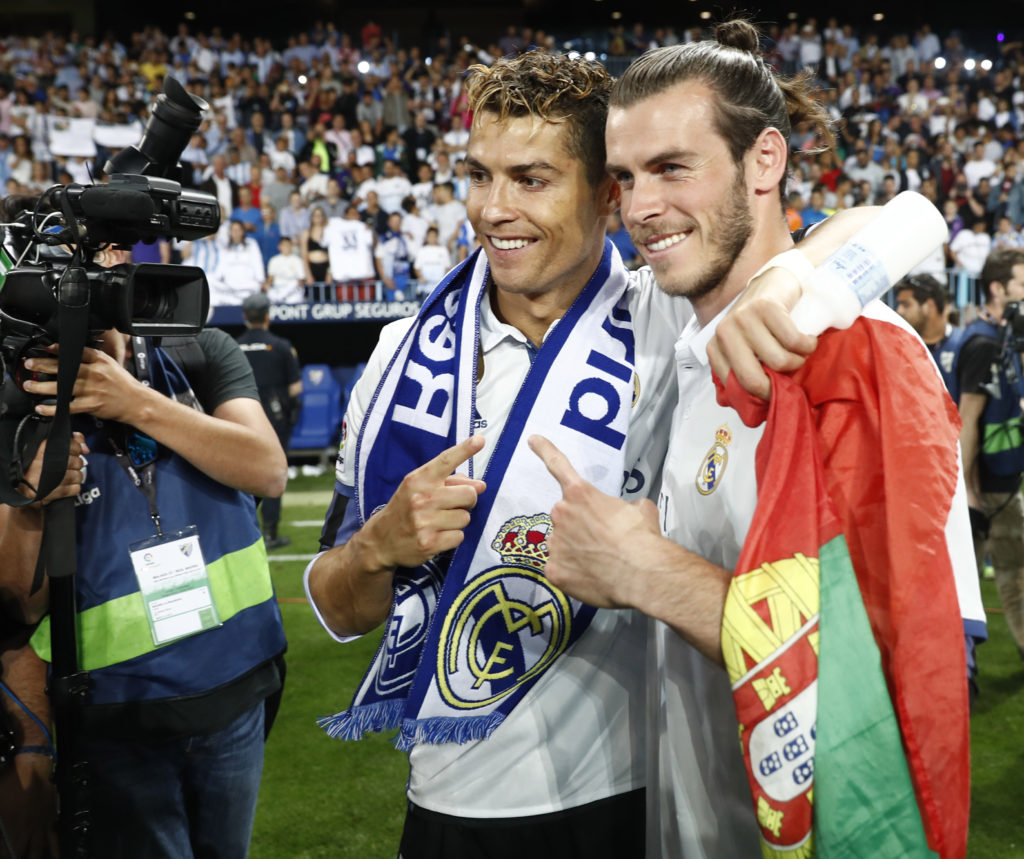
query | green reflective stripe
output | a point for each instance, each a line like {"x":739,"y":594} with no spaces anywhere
{"x":1002,"y":437}
{"x":6,"y":264}
{"x":118,"y":630}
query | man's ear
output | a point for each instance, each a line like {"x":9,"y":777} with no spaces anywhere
{"x":609,"y":196}
{"x":767,"y":160}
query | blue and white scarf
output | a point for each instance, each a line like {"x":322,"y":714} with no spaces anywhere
{"x":469,"y":635}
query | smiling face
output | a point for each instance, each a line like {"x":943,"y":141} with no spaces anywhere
{"x":540,"y":221}
{"x":684,"y":200}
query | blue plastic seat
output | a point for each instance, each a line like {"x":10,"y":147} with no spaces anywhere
{"x":321,"y":411}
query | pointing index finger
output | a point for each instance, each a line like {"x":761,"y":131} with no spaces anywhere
{"x":554,"y":460}
{"x":448,"y":460}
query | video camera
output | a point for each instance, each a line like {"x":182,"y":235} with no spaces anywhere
{"x":1011,"y":342}
{"x":141,"y":201}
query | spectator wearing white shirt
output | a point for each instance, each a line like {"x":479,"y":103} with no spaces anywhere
{"x":285,"y":275}
{"x":927,"y":45}
{"x":414,"y":225}
{"x":978,"y":167}
{"x":447,"y":213}
{"x":392,"y":187}
{"x":314,"y":181}
{"x":430,"y":263}
{"x":457,"y":139}
{"x":970,"y":247}
{"x":282,"y":156}
{"x":423,"y":190}
{"x":239,"y":271}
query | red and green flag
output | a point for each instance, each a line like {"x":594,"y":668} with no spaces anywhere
{"x":842,"y":632}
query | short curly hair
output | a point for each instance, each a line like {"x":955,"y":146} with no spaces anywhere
{"x":554,"y":88}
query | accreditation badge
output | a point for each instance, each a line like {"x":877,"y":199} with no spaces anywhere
{"x":174,"y":585}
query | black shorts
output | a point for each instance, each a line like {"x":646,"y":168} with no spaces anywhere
{"x":612,"y":828}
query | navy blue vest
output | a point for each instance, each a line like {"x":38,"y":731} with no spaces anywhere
{"x":1002,"y":442}
{"x":115,"y":643}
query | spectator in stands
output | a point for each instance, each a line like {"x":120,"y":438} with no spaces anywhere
{"x":394,"y":106}
{"x":239,"y":270}
{"x":319,"y":148}
{"x":350,"y":243}
{"x":313,"y":249}
{"x":218,"y":183}
{"x":286,"y":275}
{"x":1006,"y":236}
{"x":20,"y":162}
{"x":456,"y":139}
{"x":245,"y":212}
{"x":393,"y":260}
{"x":619,"y":236}
{"x":369,"y":110}
{"x":278,"y":192}
{"x":340,"y":137}
{"x":979,"y":166}
{"x":431,"y":263}
{"x":392,"y":187}
{"x":970,"y":247}
{"x":294,"y":219}
{"x":414,"y":225}
{"x":447,"y":213}
{"x":390,"y":148}
{"x":423,"y":190}
{"x":314,"y":181}
{"x":268,"y":233}
{"x":814,"y":212}
{"x":419,"y":140}
{"x":864,"y":169}
{"x":364,"y":152}
{"x":294,"y":136}
{"x":442,"y":165}
{"x":373,"y":213}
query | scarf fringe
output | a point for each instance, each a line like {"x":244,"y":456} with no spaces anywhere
{"x":353,"y":723}
{"x":447,"y":729}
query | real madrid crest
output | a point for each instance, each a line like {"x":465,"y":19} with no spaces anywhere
{"x":508,"y":624}
{"x":712,"y":467}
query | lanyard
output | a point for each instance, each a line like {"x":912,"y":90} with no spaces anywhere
{"x":142,"y":476}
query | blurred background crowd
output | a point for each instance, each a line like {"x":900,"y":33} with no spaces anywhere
{"x":338,"y":155}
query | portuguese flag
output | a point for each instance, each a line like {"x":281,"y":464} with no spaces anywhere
{"x":842,"y":632}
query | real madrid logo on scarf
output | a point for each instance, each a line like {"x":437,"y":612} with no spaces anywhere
{"x":470,"y":635}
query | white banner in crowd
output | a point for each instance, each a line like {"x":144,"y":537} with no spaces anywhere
{"x":71,"y":136}
{"x":78,"y":137}
{"x":117,"y":136}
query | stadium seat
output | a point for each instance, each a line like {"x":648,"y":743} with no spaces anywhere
{"x":321,"y":413}
{"x":344,"y":375}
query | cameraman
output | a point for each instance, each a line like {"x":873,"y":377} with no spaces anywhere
{"x":174,"y":731}
{"x":982,"y":364}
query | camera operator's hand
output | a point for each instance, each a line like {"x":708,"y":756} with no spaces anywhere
{"x":73,"y":477}
{"x":104,"y":388}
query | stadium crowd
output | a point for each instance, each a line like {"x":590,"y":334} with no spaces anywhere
{"x":372,"y":134}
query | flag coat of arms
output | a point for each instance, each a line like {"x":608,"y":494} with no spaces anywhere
{"x":842,"y":633}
